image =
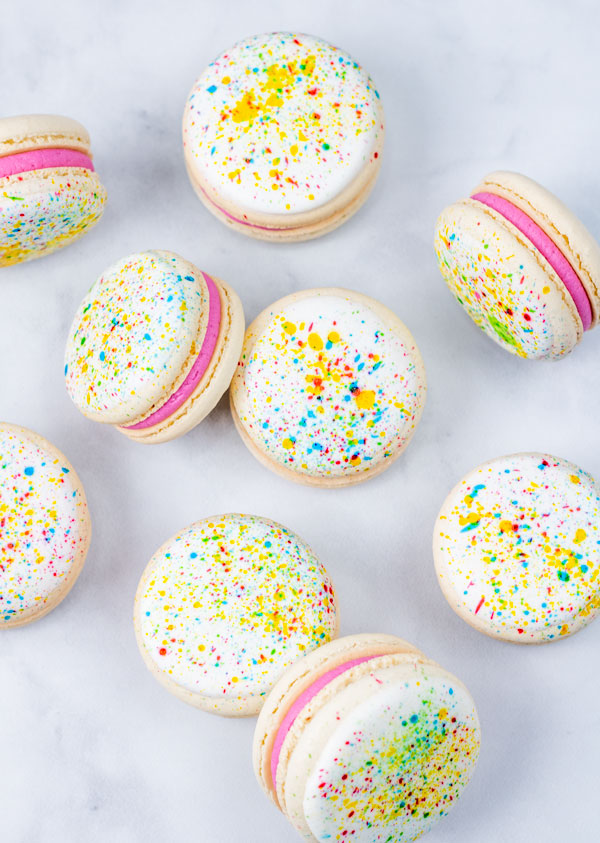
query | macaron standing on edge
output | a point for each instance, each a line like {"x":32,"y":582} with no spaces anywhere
{"x":226,"y":605}
{"x":517,"y":548}
{"x":153,"y":346}
{"x":282,"y":136}
{"x":522,"y":265}
{"x":49,"y":192}
{"x":329,"y":389}
{"x":365,"y":739}
{"x":45,"y":526}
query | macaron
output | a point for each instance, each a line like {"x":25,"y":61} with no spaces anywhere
{"x":153,"y":346}
{"x":522,"y":265}
{"x":226,"y":605}
{"x":282,"y":136}
{"x":45,"y":526}
{"x":50,"y":193}
{"x":367,"y":740}
{"x":329,"y":389}
{"x":517,"y":548}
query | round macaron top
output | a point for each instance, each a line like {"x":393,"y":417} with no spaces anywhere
{"x":331,"y":384}
{"x":44,"y":525}
{"x":227,"y":605}
{"x":44,"y":210}
{"x":281,"y":123}
{"x":378,"y":741}
{"x":517,"y":548}
{"x":387,"y":756}
{"x":578,"y":248}
{"x":135,"y":336}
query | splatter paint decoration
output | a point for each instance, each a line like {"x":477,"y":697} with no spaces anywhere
{"x":398,"y":762}
{"x":44,"y":526}
{"x":522,"y":265}
{"x":517,"y":548}
{"x":330,"y":386}
{"x":366,"y":744}
{"x":49,"y":192}
{"x":226,"y":605}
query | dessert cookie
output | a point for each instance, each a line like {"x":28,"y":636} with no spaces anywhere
{"x":225,"y":606}
{"x":153,"y":346}
{"x":282,"y":136}
{"x":367,"y":740}
{"x":330,"y":387}
{"x":522,"y":265}
{"x":517,"y":548}
{"x":45,"y":526}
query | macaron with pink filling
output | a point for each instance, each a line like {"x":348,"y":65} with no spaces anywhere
{"x":282,"y":135}
{"x":153,"y":346}
{"x":522,"y":265}
{"x":50,"y":193}
{"x":366,"y":739}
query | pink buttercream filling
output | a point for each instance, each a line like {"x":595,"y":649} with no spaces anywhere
{"x":199,"y":366}
{"x":301,"y":702}
{"x":42,"y":159}
{"x":546,"y":247}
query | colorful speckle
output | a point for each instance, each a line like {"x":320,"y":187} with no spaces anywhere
{"x":228,"y":604}
{"x":135,"y":337}
{"x":396,"y":763}
{"x":327,"y":388}
{"x":44,"y":210}
{"x":517,"y":547}
{"x":44,"y":526}
{"x":498,"y":277}
{"x":281,"y":123}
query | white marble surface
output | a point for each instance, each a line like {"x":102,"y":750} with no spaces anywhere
{"x":93,"y":749}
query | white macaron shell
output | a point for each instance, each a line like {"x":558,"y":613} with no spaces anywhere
{"x":385,"y":758}
{"x":44,"y":525}
{"x":30,"y":131}
{"x":228,"y":604}
{"x":517,"y":548}
{"x":571,"y":236}
{"x":505,"y":285}
{"x":134,"y":335}
{"x":281,"y":123}
{"x":329,"y":388}
{"x":44,"y":210}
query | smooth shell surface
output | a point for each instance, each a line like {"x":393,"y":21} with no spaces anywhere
{"x":227,"y":605}
{"x":44,"y":526}
{"x":331,"y":384}
{"x":517,"y":548}
{"x":281,"y":124}
{"x":135,"y":336}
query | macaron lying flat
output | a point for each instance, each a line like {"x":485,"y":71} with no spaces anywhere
{"x":282,"y":136}
{"x":45,"y":526}
{"x":153,"y":346}
{"x":330,"y":387}
{"x":517,"y":548}
{"x":522,"y":265}
{"x":225,"y":606}
{"x":49,"y":192}
{"x":366,"y":740}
